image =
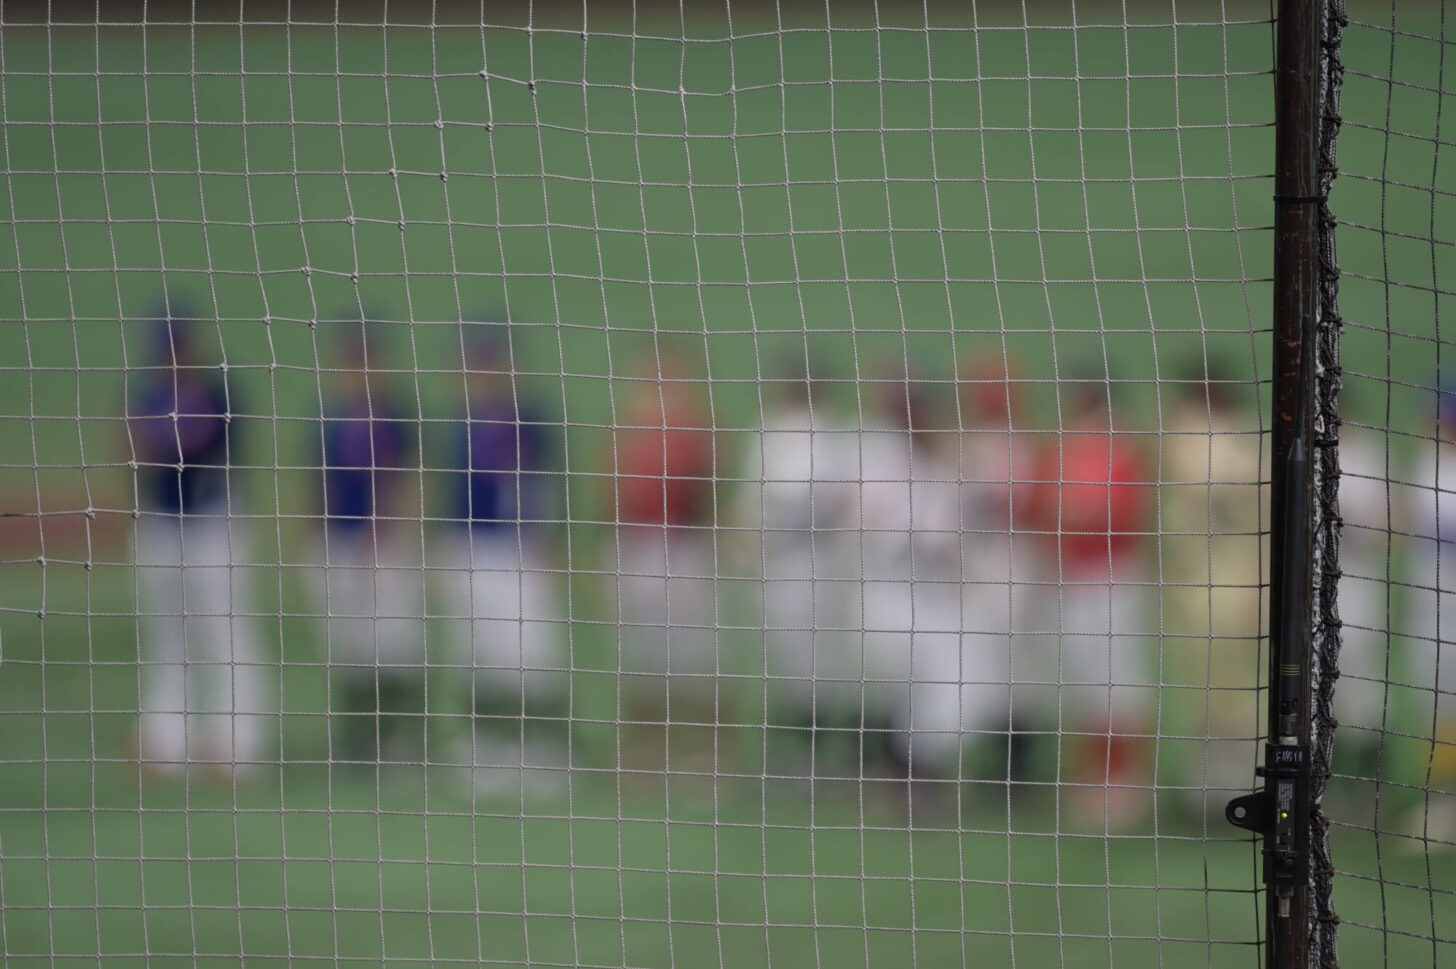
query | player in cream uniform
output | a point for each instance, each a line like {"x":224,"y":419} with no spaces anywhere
{"x":1214,"y":562}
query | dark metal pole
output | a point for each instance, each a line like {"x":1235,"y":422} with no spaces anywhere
{"x":1280,"y":812}
{"x":1296,"y":291}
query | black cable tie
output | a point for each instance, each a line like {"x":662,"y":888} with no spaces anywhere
{"x":1302,"y":199}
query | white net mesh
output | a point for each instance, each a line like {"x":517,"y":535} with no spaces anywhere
{"x":707,"y":487}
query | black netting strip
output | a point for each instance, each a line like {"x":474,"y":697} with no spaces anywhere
{"x":1323,"y":950}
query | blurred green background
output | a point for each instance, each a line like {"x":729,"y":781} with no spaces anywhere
{"x":1084,"y":193}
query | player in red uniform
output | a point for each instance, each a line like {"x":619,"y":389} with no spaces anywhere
{"x":1090,"y":507}
{"x":664,"y":465}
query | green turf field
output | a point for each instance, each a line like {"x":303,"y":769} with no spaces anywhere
{"x":725,"y":201}
{"x":733,"y":204}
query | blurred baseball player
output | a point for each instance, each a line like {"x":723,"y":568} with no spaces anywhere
{"x":800,"y":481}
{"x":504,"y":589}
{"x":1427,"y":684}
{"x":1214,"y":564}
{"x":909,"y":515}
{"x":995,"y":465}
{"x":1368,"y":503}
{"x":664,"y":497}
{"x":200,"y":679}
{"x":1091,"y":506}
{"x":370,"y":592}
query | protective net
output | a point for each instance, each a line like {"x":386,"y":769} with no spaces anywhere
{"x":1391,"y":813}
{"x":706,"y":486}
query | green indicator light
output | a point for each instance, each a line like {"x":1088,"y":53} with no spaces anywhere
{"x":1283,"y":815}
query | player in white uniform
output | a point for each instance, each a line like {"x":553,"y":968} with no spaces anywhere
{"x":995,"y":470}
{"x":1426,"y":693}
{"x":799,"y":484}
{"x":909,"y":515}
{"x":1367,"y":501}
{"x":201,"y":682}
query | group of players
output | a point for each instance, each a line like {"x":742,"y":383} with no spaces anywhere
{"x":935,"y":571}
{"x":204,"y":693}
{"x":934,"y":576}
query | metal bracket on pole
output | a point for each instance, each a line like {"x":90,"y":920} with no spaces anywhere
{"x":1279,"y":812}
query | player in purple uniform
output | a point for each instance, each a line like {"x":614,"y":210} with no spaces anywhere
{"x":372,"y":644}
{"x":503,"y":590}
{"x":200,"y":679}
